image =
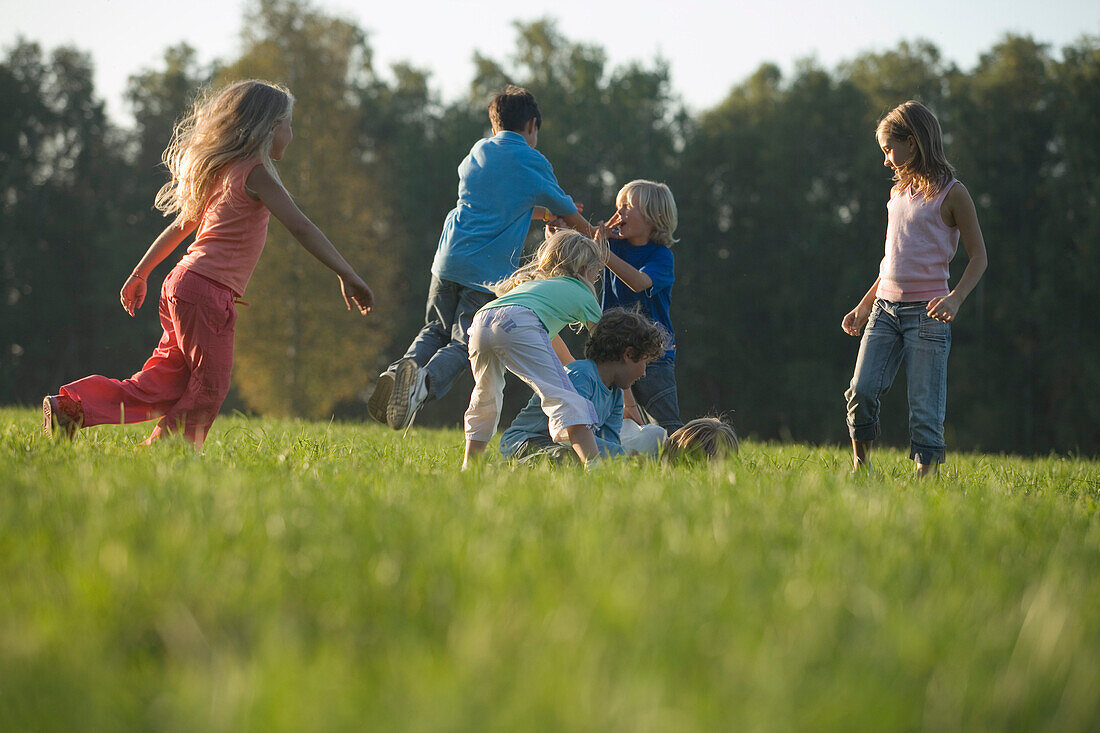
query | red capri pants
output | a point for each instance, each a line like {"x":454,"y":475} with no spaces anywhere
{"x":186,"y":379}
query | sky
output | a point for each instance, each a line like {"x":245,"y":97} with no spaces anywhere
{"x":710,"y":45}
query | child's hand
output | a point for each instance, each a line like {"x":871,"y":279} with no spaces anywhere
{"x":615,"y":221}
{"x":553,"y":227}
{"x":602,"y":230}
{"x":943,"y":309}
{"x":854,"y":322}
{"x":357,"y":294}
{"x":132,"y":294}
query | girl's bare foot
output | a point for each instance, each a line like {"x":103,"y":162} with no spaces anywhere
{"x":927,"y":469}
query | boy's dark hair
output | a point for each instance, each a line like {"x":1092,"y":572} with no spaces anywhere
{"x":512,"y":108}
{"x":620,"y":331}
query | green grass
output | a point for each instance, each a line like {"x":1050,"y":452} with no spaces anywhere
{"x":305,"y":576}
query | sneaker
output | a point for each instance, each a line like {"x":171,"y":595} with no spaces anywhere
{"x":380,"y":397}
{"x":61,"y":414}
{"x":409,"y":392}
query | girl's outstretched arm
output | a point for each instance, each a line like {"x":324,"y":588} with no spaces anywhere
{"x":561,"y":350}
{"x":958,"y":210}
{"x":857,"y":318}
{"x":134,"y":289}
{"x":356,"y":292}
{"x":577,"y":222}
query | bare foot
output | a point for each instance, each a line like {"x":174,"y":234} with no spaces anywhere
{"x":927,"y":469}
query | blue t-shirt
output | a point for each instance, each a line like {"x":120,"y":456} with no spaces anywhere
{"x":532,"y":422}
{"x":499,"y":183}
{"x":655,"y":260}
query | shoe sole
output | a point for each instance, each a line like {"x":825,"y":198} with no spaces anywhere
{"x":58,"y":423}
{"x":397,"y":409}
{"x":48,"y":424}
{"x":380,"y":397}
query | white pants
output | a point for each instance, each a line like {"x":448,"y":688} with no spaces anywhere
{"x":644,"y":439}
{"x":512,"y":337}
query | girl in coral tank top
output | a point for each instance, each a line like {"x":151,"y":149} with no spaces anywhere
{"x":909,"y":310}
{"x":225,"y":186}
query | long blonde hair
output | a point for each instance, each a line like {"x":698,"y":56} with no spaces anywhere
{"x":928,"y":172}
{"x":223,"y":126}
{"x":565,"y":253}
{"x":657,"y":205}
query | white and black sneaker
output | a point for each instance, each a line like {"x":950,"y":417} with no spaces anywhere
{"x":410,"y":389}
{"x":379,"y":399}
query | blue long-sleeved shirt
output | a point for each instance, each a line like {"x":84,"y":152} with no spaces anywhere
{"x":499,"y":184}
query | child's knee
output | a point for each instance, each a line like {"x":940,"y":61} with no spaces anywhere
{"x":862,"y":393}
{"x":210,"y":394}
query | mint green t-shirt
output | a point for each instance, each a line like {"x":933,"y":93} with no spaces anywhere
{"x":557,"y":301}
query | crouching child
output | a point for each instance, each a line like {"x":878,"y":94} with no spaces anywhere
{"x":616,"y":354}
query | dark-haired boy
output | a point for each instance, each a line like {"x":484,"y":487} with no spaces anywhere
{"x":500,"y":184}
{"x":616,"y":354}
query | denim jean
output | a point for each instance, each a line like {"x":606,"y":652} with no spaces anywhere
{"x":656,"y":393}
{"x":900,"y":333}
{"x":441,"y":346}
{"x":543,"y":446}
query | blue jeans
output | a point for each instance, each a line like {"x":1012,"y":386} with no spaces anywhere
{"x":899,"y":333}
{"x":656,"y":393}
{"x":440,"y":347}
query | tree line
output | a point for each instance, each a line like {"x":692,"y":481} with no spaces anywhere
{"x":781,"y":194}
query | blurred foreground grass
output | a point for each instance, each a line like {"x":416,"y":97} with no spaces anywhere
{"x":305,"y":576}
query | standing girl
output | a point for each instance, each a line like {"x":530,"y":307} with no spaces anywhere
{"x":514,"y":331}
{"x":909,"y":310}
{"x":224,"y":184}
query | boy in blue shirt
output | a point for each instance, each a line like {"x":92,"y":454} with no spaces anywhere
{"x":640,"y":275}
{"x":616,"y":354}
{"x":502,"y":184}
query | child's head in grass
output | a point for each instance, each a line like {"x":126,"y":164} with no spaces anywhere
{"x":704,"y":438}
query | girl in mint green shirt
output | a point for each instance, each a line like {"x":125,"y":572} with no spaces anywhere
{"x":514,"y":333}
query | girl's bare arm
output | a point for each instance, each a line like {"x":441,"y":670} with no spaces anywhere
{"x":135,"y":288}
{"x":313,"y":240}
{"x":959,"y":211}
{"x":857,"y":318}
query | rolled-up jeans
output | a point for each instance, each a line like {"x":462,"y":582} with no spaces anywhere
{"x":896,"y":334}
{"x":440,"y":348}
{"x":656,"y":392}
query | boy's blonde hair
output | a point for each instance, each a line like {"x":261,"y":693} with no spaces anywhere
{"x":657,"y":205}
{"x":565,"y":253}
{"x":704,"y":438}
{"x":928,"y":172}
{"x":223,"y":126}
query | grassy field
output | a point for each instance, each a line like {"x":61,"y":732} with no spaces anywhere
{"x":305,"y":576}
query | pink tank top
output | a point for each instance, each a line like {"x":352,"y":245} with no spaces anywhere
{"x":919,"y":248}
{"x":232,"y":232}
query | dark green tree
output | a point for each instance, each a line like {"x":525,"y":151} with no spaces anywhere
{"x":60,"y":225}
{"x":298,"y":351}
